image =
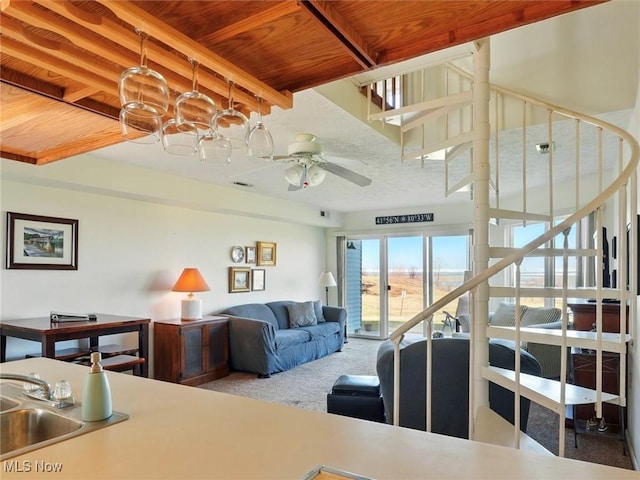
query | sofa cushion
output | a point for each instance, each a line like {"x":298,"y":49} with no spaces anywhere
{"x":291,"y":337}
{"x":279,"y":309}
{"x":505,"y":315}
{"x":301,"y":314}
{"x":317,"y":305}
{"x":259,"y":311}
{"x":322,"y":330}
{"x":540,"y":315}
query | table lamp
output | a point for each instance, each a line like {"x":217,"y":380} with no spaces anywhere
{"x":326,"y":281}
{"x":191,"y":281}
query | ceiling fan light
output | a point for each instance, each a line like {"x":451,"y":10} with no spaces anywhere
{"x":294,"y":174}
{"x":315,"y":175}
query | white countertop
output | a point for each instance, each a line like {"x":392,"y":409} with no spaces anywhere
{"x":180,"y":432}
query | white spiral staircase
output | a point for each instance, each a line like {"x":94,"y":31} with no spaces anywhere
{"x":470,"y":117}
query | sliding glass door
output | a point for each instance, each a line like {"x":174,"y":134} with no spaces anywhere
{"x":390,"y":279}
{"x":405,"y":274}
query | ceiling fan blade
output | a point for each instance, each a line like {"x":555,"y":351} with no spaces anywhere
{"x":345,"y":173}
{"x":281,"y":157}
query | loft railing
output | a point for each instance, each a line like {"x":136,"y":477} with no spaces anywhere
{"x":624,"y":186}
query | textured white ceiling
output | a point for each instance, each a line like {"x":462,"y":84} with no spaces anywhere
{"x":557,"y":60}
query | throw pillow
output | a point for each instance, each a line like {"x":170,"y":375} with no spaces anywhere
{"x":301,"y":314}
{"x":505,"y":315}
{"x":540,"y":315}
{"x":317,"y":306}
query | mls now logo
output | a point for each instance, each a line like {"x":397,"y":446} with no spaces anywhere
{"x":29,"y":466}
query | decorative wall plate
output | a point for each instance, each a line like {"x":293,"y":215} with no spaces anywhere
{"x":237,"y":254}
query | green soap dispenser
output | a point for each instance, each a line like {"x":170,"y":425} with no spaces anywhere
{"x":96,"y":396}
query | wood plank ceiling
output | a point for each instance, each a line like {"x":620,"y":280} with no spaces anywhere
{"x":61,"y":60}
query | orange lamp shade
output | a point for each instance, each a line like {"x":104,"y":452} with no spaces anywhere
{"x":190,"y":281}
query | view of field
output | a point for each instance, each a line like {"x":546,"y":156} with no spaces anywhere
{"x":403,"y":307}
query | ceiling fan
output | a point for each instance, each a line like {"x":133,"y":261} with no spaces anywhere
{"x":310,"y":167}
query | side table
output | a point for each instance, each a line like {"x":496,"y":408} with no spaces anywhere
{"x":191,"y":352}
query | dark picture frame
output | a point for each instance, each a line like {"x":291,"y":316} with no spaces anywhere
{"x":36,"y":242}
{"x":266,"y":253}
{"x":258,"y":279}
{"x":239,"y":279}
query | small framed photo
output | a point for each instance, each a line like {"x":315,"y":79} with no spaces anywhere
{"x":239,"y":279}
{"x":250,"y":254}
{"x":41,"y":243}
{"x":257,"y":279}
{"x":266,"y":253}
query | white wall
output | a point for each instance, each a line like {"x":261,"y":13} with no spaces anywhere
{"x":131,"y":252}
{"x":633,"y":419}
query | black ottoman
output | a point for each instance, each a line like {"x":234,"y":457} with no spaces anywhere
{"x":356,"y":396}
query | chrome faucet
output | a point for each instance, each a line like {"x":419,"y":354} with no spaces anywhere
{"x":46,"y":388}
{"x":46,"y":393}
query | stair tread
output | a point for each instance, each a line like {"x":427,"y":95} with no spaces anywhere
{"x":492,"y":428}
{"x":575,"y":338}
{"x":544,"y":391}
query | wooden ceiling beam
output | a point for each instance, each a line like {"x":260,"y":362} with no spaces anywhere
{"x":54,"y":64}
{"x":26,"y":82}
{"x":72,"y":95}
{"x":325,"y":14}
{"x":175,"y":69}
{"x":11,"y":29}
{"x":85,"y":30}
{"x":251,"y":23}
{"x":18,"y":108}
{"x":138,"y":18}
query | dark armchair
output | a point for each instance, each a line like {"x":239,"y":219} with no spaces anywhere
{"x":450,"y":387}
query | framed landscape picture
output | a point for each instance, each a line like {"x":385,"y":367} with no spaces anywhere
{"x":239,"y":279}
{"x":266,"y":253}
{"x":41,"y":243}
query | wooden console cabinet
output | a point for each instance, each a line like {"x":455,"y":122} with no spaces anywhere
{"x":191,"y":352}
{"x":584,"y":316}
{"x":583,"y":368}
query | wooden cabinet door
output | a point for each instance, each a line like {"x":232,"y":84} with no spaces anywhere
{"x":193,"y":358}
{"x":217,"y":346}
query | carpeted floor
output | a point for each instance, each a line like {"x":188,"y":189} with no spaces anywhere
{"x":307,"y":385}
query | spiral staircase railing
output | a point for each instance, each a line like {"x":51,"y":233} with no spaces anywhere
{"x":624,"y":187}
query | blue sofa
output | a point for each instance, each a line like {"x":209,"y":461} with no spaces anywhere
{"x":266,"y":338}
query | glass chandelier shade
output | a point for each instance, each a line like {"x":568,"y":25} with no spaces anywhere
{"x":303,"y":175}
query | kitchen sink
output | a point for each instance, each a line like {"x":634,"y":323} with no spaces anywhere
{"x":7,"y":404}
{"x":27,"y":424}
